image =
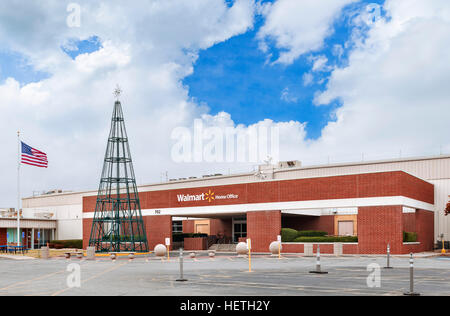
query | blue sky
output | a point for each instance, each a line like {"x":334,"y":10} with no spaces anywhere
{"x":235,"y":76}
{"x":15,"y":65}
{"x":75,"y":47}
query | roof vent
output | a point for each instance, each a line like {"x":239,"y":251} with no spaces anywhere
{"x":289,"y":164}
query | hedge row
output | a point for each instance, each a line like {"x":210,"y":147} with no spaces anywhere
{"x":76,"y":243}
{"x":409,"y":237}
{"x":327,"y":239}
{"x":311,"y":233}
{"x":289,"y":234}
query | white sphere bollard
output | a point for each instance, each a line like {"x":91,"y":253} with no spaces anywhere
{"x":274,"y":246}
{"x":160,"y":250}
{"x":212,"y":254}
{"x":241,"y":248}
{"x":192,"y":255}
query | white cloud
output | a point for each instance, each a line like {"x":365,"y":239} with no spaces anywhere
{"x":338,"y":51}
{"x":299,"y":27}
{"x":108,"y":57}
{"x":394,"y":90}
{"x":320,"y":63}
{"x":287,"y":96}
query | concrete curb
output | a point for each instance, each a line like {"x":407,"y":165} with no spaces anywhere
{"x":16,"y":257}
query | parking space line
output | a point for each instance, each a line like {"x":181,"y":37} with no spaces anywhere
{"x":42,"y":277}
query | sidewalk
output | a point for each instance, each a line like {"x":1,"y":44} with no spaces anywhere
{"x":16,"y":257}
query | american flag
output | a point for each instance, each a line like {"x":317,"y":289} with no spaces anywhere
{"x":34,"y":157}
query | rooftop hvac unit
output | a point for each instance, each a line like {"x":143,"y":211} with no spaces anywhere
{"x":45,"y":215}
{"x":289,"y":164}
{"x":53,"y":191}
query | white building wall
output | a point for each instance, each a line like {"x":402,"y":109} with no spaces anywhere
{"x":69,"y":229}
{"x":441,"y":222}
{"x":424,"y":168}
{"x":67,"y":209}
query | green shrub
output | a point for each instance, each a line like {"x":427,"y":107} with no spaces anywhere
{"x":311,"y":233}
{"x":288,"y":234}
{"x":327,"y":239}
{"x":409,"y":237}
{"x":76,"y":243}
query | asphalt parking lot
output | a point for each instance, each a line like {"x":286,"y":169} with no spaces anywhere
{"x":223,"y":275}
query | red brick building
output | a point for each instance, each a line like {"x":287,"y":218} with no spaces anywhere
{"x":376,"y":207}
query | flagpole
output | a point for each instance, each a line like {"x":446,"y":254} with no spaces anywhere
{"x":18,"y":189}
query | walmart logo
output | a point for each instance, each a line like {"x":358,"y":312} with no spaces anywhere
{"x":210,"y":196}
{"x":196,"y":197}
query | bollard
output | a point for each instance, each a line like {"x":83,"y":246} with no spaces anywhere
{"x":337,"y":249}
{"x":411,"y":278}
{"x":45,"y":253}
{"x":279,"y":249}
{"x":318,"y":268}
{"x":308,"y":250}
{"x":130,"y":257}
{"x":90,"y":253}
{"x":113,"y":257}
{"x":249,"y":246}
{"x":388,"y":257}
{"x":181,"y":279}
{"x":443,"y":245}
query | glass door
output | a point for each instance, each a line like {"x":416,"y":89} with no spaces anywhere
{"x":239,"y":228}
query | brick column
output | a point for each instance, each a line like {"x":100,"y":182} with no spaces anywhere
{"x":425,"y":229}
{"x":188,"y":226}
{"x":378,"y":226}
{"x":87,"y":226}
{"x":263,"y":227}
{"x":409,"y":222}
{"x":158,"y":228}
{"x":3,"y":240}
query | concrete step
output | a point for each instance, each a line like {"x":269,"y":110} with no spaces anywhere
{"x":223,"y":247}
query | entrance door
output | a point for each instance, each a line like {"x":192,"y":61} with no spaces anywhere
{"x":345,"y":228}
{"x":30,"y":239}
{"x":239,"y":228}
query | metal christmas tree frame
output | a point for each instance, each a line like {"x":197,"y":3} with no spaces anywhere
{"x":117,"y":225}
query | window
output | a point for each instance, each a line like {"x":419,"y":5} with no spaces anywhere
{"x":177,"y":226}
{"x":345,"y":228}
{"x":239,"y":228}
